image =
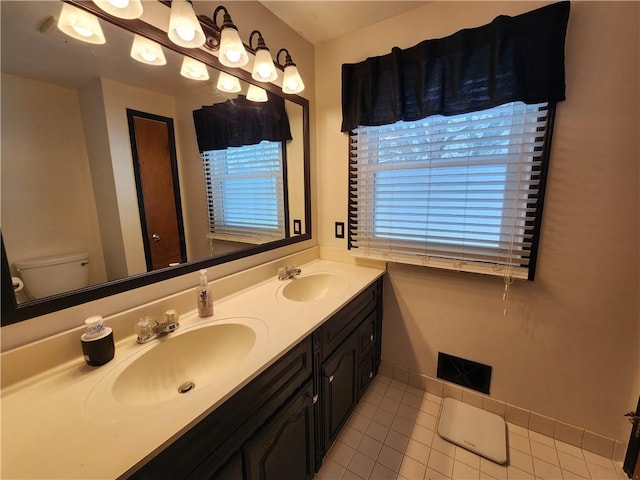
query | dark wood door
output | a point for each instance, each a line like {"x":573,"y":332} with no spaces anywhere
{"x":339,"y":382}
{"x":631,"y":464}
{"x":155,"y":166}
{"x":284,"y":448}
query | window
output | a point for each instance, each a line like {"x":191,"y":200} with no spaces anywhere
{"x":461,"y":192}
{"x":245,"y":192}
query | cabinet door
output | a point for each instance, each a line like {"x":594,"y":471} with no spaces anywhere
{"x":366,"y":372}
{"x":231,"y":471}
{"x":339,"y":388}
{"x":284,"y":448}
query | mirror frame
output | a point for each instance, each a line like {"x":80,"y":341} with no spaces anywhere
{"x":13,"y":313}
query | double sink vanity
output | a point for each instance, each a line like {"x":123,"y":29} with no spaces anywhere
{"x":259,"y":390}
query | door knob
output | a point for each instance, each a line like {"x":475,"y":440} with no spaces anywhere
{"x":155,"y":237}
{"x":634,"y":419}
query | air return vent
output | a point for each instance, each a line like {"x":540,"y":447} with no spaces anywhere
{"x":467,"y":373}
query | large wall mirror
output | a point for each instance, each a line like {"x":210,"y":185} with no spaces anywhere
{"x":87,"y":134}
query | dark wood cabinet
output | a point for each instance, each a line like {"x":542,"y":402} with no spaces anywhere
{"x":281,"y":424}
{"x":339,"y":393}
{"x":284,"y":448}
{"x":349,"y":359}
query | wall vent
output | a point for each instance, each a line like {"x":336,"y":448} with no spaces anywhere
{"x":467,"y":373}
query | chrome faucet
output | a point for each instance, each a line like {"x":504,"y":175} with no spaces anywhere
{"x":146,"y":332}
{"x":285,"y":273}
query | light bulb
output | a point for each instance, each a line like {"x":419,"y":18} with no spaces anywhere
{"x":263,"y":68}
{"x":228,"y":83}
{"x":128,"y":9}
{"x":292,"y":82}
{"x":184,"y":27}
{"x":147,"y":51}
{"x":232,"y":52}
{"x":257,"y":94}
{"x":194,"y":69}
{"x":80,"y":25}
{"x":186,"y":33}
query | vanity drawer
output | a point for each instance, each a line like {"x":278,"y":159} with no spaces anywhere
{"x":335,"y":330}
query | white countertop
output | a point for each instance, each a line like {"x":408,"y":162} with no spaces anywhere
{"x":63,"y":425}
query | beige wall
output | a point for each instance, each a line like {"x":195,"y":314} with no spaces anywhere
{"x":44,"y":154}
{"x":569,"y":345}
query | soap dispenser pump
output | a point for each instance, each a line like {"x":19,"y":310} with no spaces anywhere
{"x":205,"y":302}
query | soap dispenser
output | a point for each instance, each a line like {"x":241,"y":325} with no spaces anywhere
{"x":205,"y":302}
{"x":98,"y":347}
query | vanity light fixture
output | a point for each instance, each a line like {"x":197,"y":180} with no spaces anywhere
{"x":263,"y":68}
{"x":291,"y":82}
{"x":257,"y":94}
{"x":184,"y":27}
{"x":228,"y":83}
{"x":231,"y":51}
{"x":80,"y":25}
{"x":194,"y":69}
{"x":127,"y":9}
{"x":147,"y":51}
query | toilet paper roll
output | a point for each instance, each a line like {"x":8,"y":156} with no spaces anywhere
{"x":18,"y":285}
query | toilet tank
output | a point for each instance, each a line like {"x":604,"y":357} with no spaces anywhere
{"x":46,"y":276}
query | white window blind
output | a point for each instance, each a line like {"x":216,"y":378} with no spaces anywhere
{"x":461,"y":192}
{"x":245,"y":192}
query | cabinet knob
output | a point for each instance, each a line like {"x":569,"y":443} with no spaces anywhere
{"x":315,"y":399}
{"x":370,"y":374}
{"x":330,"y":378}
{"x":371,"y":338}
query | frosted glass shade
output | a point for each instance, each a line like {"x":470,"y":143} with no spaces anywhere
{"x":292,"y":82}
{"x":184,"y":27}
{"x":128,"y":9}
{"x":147,"y":51}
{"x":194,"y":69}
{"x":228,"y":83}
{"x":257,"y":94}
{"x":263,"y":68}
{"x":232,"y":52}
{"x":80,"y":25}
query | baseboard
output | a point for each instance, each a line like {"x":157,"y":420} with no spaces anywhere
{"x":564,"y":432}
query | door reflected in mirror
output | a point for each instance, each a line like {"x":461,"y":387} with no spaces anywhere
{"x":79,"y":169}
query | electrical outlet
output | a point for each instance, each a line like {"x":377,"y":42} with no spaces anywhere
{"x":339,"y":229}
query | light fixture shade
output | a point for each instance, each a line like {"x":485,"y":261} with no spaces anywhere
{"x":292,"y":81}
{"x":80,"y":25}
{"x":257,"y":94}
{"x":263,"y":68}
{"x":228,"y":83}
{"x":232,"y":52}
{"x":184,"y":27}
{"x":147,"y":51}
{"x":194,"y":69}
{"x":128,"y":9}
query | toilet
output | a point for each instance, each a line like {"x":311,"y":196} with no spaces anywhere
{"x":46,"y":276}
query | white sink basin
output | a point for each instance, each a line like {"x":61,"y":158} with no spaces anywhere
{"x":314,"y":287}
{"x":184,"y":362}
{"x":181,"y":366}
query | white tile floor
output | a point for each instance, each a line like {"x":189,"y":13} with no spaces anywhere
{"x":391,"y":435}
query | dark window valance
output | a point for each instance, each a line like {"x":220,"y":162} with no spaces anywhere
{"x":239,"y":122}
{"x":517,"y":58}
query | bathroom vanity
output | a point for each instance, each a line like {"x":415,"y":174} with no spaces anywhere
{"x":271,"y":413}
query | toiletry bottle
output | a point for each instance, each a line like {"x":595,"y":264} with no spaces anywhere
{"x":205,"y":302}
{"x":97,"y":342}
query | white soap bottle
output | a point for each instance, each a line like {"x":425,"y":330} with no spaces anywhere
{"x":205,"y":302}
